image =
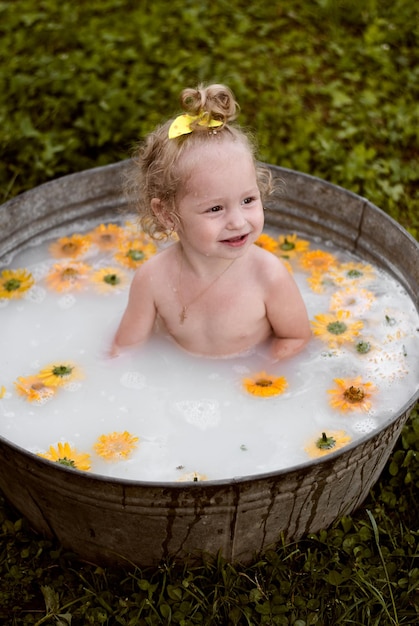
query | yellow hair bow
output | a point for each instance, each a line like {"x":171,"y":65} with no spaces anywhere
{"x":182,"y":125}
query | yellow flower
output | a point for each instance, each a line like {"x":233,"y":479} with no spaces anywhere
{"x":357,"y":301}
{"x":264,"y":385}
{"x":320,"y":281}
{"x":115,"y":446}
{"x":2,"y":392}
{"x":317,"y":260}
{"x":336,"y":328}
{"x":109,"y":279}
{"x":71,"y":247}
{"x":327,"y":443}
{"x":107,"y":236}
{"x":192,"y":477}
{"x":289,"y":246}
{"x":267,"y":242}
{"x":14,"y":283}
{"x":68,"y":276}
{"x":353,"y":273}
{"x":132,"y":254}
{"x":59,"y":374}
{"x":65,"y":455}
{"x":33,"y":389}
{"x":351,"y":394}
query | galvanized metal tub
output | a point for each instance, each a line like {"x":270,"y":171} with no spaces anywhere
{"x":118,"y":521}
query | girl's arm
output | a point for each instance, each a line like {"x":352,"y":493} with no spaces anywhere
{"x":287,"y":315}
{"x":138,"y":320}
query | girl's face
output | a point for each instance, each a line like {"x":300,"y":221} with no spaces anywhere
{"x":220,"y":207}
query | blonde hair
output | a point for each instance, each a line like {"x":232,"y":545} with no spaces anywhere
{"x":157,"y":170}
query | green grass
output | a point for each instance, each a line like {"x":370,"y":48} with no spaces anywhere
{"x":330,"y":87}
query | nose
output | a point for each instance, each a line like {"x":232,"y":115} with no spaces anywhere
{"x":235,"y":218}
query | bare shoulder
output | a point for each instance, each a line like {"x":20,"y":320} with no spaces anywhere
{"x":156,"y":269}
{"x":268,"y":267}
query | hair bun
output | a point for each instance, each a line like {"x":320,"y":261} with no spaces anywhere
{"x":216,"y":100}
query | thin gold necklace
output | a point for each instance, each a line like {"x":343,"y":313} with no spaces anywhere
{"x":184,"y":310}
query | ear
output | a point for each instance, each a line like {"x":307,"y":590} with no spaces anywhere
{"x":162,"y":215}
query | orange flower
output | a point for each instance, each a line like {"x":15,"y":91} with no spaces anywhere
{"x":317,"y":260}
{"x":353,"y":273}
{"x":34,"y":389}
{"x":357,"y":301}
{"x":265,"y":385}
{"x":68,"y":276}
{"x":327,"y":443}
{"x":71,"y":247}
{"x":320,"y":281}
{"x":192,"y":477}
{"x":115,"y":446}
{"x":109,"y":279}
{"x":14,"y":283}
{"x":59,"y":374}
{"x":132,"y":254}
{"x":267,"y":242}
{"x":290,"y":246}
{"x":351,"y":394}
{"x":65,"y":454}
{"x":336,"y":328}
{"x":107,"y":236}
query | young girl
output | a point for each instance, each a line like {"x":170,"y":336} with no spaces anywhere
{"x":213,"y":291}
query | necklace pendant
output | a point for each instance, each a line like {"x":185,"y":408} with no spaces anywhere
{"x":182,"y":315}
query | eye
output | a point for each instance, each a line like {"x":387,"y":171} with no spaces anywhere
{"x":249,"y":200}
{"x":215,"y":209}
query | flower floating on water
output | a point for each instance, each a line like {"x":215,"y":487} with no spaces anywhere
{"x":263,"y":384}
{"x":71,"y":247}
{"x":320,"y":281}
{"x":65,"y":455}
{"x":317,"y":260}
{"x":363,"y":346}
{"x":68,"y":276}
{"x":109,"y":279}
{"x":289,"y":246}
{"x":357,"y":301}
{"x":328,"y":442}
{"x":336,"y":328}
{"x":351,"y":394}
{"x":107,"y":236}
{"x":59,"y":374}
{"x":34,"y":389}
{"x":192,"y":477}
{"x":115,"y":446}
{"x":14,"y":283}
{"x":267,"y":242}
{"x":353,"y":273}
{"x":131,"y":254}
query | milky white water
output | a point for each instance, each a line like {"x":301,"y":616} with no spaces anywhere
{"x":192,"y":416}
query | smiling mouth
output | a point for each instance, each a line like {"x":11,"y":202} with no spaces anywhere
{"x":236,"y":240}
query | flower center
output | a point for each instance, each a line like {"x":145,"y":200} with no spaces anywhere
{"x":263,"y":382}
{"x":69,"y":272}
{"x":112,"y":279}
{"x":62,"y":370}
{"x":66,"y":462}
{"x":354,"y":274}
{"x":325,"y":442}
{"x":336,"y":328}
{"x":12,"y":284}
{"x":363,"y":347}
{"x":287,"y":245}
{"x":354,"y":394}
{"x":69,"y":247}
{"x":136,"y":255}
